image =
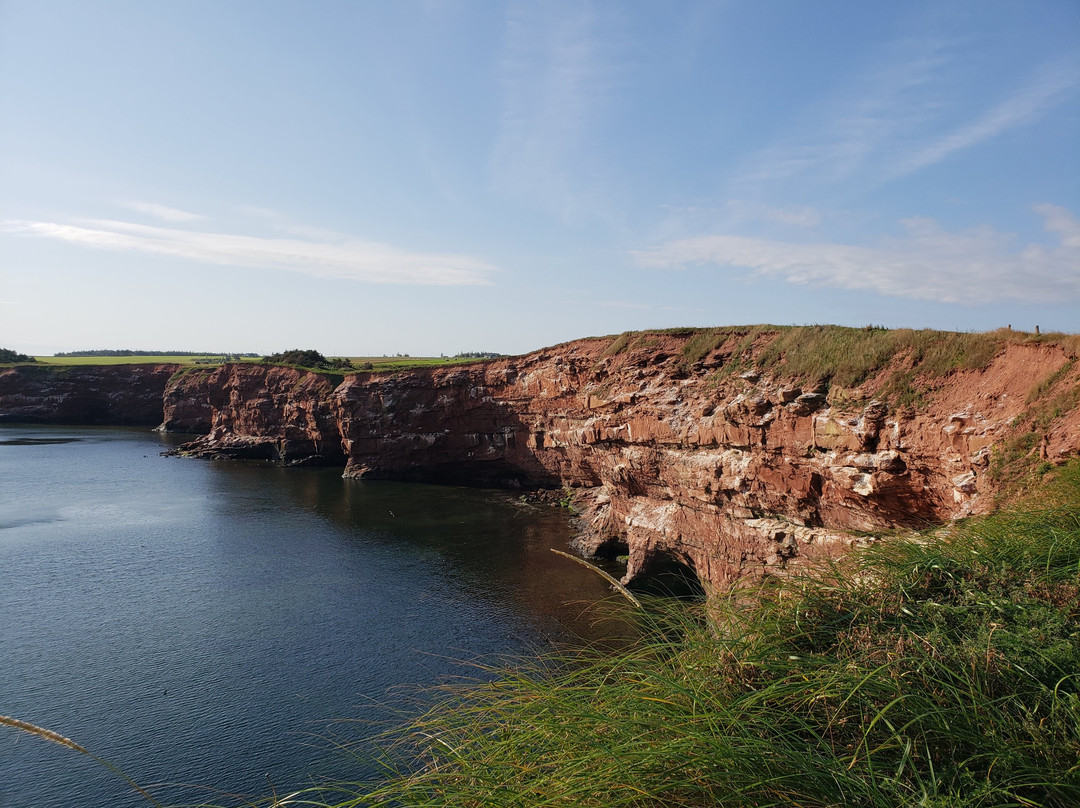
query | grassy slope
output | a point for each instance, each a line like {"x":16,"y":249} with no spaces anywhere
{"x":846,"y":357}
{"x":943,"y":670}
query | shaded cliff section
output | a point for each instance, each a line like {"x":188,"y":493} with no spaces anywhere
{"x":722,"y":455}
{"x":118,"y":395}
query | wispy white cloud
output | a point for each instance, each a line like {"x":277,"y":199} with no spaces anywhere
{"x":323,"y":257}
{"x":898,"y":117}
{"x":622,"y":304}
{"x":793,"y":215}
{"x":162,"y":212}
{"x":258,"y":212}
{"x":928,"y":263}
{"x":835,"y":138}
{"x":1049,"y":87}
{"x":556,"y":72}
{"x":1059,"y":220}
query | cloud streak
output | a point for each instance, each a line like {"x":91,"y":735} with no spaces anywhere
{"x":1049,"y":88}
{"x":162,"y":212}
{"x":894,"y":119}
{"x":791,"y":215}
{"x":556,"y":73}
{"x":622,"y":304}
{"x":838,"y":137}
{"x":326,"y":257}
{"x":928,"y":263}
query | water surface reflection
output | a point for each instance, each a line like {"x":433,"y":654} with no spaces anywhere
{"x":205,"y":622}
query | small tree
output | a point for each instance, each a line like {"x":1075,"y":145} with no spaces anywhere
{"x":7,"y":355}
{"x":308,"y":359}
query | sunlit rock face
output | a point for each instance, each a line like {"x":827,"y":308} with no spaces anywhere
{"x":731,"y":474}
{"x":260,"y":412}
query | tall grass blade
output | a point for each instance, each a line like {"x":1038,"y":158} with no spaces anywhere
{"x":57,"y":738}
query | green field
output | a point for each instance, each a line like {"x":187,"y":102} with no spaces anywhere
{"x":136,"y":359}
{"x":379,"y":364}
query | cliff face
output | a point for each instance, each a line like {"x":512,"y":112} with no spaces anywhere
{"x":113,"y":394}
{"x":256,"y":412}
{"x":673,"y":451}
{"x":730,"y":474}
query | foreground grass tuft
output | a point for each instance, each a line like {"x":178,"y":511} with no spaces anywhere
{"x":941,"y":670}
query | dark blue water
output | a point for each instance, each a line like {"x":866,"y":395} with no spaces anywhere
{"x":221,"y":624}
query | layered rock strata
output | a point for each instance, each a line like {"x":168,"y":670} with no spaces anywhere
{"x":260,"y":412}
{"x":728,"y":474}
{"x":122,"y":395}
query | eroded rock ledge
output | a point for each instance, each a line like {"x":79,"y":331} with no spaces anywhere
{"x":731,"y":474}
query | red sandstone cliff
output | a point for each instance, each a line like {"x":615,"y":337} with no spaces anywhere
{"x":729,"y":473}
{"x":257,"y":412}
{"x":84,"y":394}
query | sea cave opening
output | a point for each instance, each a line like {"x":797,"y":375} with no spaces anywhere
{"x":664,"y":574}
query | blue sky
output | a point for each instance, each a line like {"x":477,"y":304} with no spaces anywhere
{"x":435,"y":177}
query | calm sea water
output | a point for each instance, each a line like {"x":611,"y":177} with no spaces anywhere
{"x":219,"y":624}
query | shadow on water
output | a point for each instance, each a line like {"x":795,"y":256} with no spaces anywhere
{"x":37,"y":441}
{"x":209,"y":622}
{"x":489,"y":544}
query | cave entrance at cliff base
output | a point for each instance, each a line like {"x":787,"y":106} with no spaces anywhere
{"x":664,"y":575}
{"x":667,"y":576}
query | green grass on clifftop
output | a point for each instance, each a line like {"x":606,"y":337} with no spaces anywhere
{"x":844,"y":357}
{"x":936,"y":670}
{"x":378,"y":364}
{"x":386,"y":364}
{"x":135,"y":359}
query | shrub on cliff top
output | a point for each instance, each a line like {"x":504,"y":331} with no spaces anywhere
{"x":308,"y":359}
{"x":9,"y":356}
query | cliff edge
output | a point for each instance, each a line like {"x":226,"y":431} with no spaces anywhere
{"x":118,"y":395}
{"x":731,"y":451}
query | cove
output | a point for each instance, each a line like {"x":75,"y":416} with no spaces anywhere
{"x":213,"y":627}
